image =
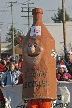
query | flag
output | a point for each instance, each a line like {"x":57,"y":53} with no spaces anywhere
{"x":20,"y":38}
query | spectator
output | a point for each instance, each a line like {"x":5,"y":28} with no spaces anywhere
{"x":62,"y":62}
{"x":62,"y":75}
{"x":17,"y":78}
{"x":20,"y":64}
{"x":70,"y":72}
{"x":11,"y":76}
{"x":2,"y":100}
{"x":67,"y":61}
{"x":12,"y":59}
{"x":20,"y":78}
{"x":4,"y":63}
{"x":2,"y":66}
{"x":16,"y":65}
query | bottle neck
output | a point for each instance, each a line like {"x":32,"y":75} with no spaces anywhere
{"x":37,"y":17}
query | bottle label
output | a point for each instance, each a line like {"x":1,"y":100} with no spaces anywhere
{"x":35,"y":31}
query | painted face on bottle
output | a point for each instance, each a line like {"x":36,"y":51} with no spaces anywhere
{"x":33,"y":51}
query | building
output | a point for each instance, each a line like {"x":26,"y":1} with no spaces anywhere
{"x":56,"y":30}
{"x":5,"y":47}
{"x":18,"y":50}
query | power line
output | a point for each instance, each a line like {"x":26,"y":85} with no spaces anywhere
{"x":50,"y":10}
{"x":36,"y":1}
{"x":3,"y":12}
{"x":47,"y":20}
{"x":28,"y":11}
{"x":22,"y":3}
{"x":26,"y":2}
{"x":6,"y":20}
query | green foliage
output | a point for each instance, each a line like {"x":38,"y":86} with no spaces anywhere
{"x":20,"y":46}
{"x":9,"y":36}
{"x":58,"y":18}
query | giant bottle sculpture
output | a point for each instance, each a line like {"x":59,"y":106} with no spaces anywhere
{"x":39,"y":64}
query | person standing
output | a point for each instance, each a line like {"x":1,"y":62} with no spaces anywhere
{"x":11,"y":76}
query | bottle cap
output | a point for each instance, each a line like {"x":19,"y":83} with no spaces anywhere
{"x":37,"y":10}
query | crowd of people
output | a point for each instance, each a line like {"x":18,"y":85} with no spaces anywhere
{"x":10,"y":74}
{"x":64,"y":68}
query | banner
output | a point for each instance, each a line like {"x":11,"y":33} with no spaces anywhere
{"x":64,"y":95}
{"x":13,"y":96}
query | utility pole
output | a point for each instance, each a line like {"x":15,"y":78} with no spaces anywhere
{"x":13,"y":51}
{"x":64,"y":26}
{"x":28,"y":10}
{"x":0,"y":45}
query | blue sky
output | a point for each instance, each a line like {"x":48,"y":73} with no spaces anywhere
{"x":19,"y":22}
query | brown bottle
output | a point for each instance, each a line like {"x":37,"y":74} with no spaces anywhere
{"x":39,"y":64}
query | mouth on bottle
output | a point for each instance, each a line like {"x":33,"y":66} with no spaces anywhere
{"x":33,"y":55}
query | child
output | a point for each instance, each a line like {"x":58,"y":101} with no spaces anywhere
{"x":70,"y":72}
{"x":62,"y":75}
{"x":11,"y":76}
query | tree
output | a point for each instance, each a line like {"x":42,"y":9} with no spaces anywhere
{"x":9,"y":36}
{"x":58,"y":18}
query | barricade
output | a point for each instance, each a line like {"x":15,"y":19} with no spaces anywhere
{"x":13,"y":96}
